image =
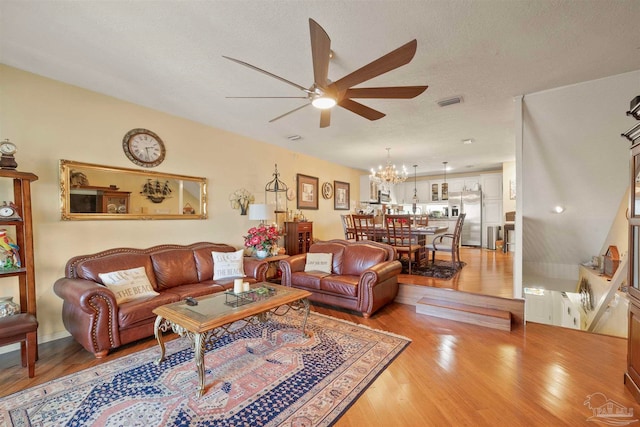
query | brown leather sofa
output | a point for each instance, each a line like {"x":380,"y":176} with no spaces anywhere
{"x":90,"y":312}
{"x":364,"y":275}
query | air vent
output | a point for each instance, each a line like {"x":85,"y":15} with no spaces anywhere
{"x":294,"y":137}
{"x":450,"y":101}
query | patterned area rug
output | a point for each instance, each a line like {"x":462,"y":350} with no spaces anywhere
{"x":440,"y":270}
{"x":265,"y":375}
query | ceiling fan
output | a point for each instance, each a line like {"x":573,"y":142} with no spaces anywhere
{"x":325,"y":94}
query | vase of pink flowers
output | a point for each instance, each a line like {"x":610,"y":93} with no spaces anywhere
{"x":262,"y":239}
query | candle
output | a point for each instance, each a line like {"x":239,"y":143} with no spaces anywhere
{"x":246,"y":287}
{"x":237,"y":286}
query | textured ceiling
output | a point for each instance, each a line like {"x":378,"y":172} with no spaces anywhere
{"x":167,"y":55}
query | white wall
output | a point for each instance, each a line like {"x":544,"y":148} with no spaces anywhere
{"x":49,"y":121}
{"x":573,"y":156}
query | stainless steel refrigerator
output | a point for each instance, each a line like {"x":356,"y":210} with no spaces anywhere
{"x":470,"y":203}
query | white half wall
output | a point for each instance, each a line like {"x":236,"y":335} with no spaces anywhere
{"x":573,"y":156}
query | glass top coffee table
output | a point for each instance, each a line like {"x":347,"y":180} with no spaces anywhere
{"x":214,"y":315}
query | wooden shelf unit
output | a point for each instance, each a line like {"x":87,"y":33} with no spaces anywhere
{"x":632,"y":375}
{"x":26,"y":273}
{"x":298,"y":237}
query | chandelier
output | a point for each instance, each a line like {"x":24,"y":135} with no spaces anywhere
{"x":389,"y":174}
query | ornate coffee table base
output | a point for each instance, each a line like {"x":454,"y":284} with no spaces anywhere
{"x":200,"y":340}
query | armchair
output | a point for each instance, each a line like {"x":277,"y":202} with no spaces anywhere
{"x":363,"y":275}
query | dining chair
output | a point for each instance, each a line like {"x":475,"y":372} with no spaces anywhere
{"x":347,"y":226}
{"x":422,"y":220}
{"x":364,"y":226}
{"x":451,"y":244}
{"x":399,"y":236}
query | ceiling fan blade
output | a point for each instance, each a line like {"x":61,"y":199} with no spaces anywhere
{"x":288,"y":112}
{"x":325,"y":118}
{"x":267,"y":97}
{"x":320,"y":52}
{"x":398,"y":92}
{"x":361,"y":110}
{"x":392,"y":60}
{"x":253,"y":67}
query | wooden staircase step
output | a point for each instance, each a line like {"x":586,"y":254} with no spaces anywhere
{"x":477,"y":315}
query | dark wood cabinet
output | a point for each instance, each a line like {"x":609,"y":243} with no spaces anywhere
{"x":25,"y":321}
{"x":298,"y":237}
{"x":115,"y":202}
{"x":90,"y":199}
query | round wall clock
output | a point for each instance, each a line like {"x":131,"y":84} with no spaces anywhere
{"x":327,"y":190}
{"x":143,"y":147}
{"x":291,"y":194}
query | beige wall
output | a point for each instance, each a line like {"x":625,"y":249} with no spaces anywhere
{"x":49,"y":121}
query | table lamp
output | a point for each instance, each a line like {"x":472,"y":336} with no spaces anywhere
{"x":259,"y":212}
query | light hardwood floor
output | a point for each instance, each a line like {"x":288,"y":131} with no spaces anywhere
{"x":487,"y":272}
{"x":451,"y":374}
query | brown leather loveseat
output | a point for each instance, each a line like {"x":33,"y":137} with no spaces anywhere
{"x":363,"y":275}
{"x":94,"y":318}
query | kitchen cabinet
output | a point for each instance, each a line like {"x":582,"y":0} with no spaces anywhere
{"x":491,"y":184}
{"x":473,"y":183}
{"x":435,"y":190}
{"x":365,"y":189}
{"x":423,"y":190}
{"x":401,"y":193}
{"x":456,"y":185}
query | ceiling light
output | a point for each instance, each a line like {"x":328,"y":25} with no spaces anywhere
{"x":467,"y":141}
{"x":450,"y":101}
{"x":558,"y":209}
{"x":389,"y":174}
{"x":323,"y":102}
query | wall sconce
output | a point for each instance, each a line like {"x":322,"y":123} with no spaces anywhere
{"x":155,"y":191}
{"x":633,"y":133}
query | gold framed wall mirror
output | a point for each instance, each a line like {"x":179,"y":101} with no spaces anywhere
{"x":89,"y":192}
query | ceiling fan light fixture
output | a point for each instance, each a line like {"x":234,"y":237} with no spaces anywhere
{"x":323,"y":102}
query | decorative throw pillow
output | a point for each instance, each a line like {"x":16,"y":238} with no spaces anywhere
{"x":128,"y":285}
{"x":318,"y":262}
{"x":228,"y":264}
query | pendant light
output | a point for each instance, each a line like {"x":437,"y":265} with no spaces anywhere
{"x":276,"y":185}
{"x":445,"y":186}
{"x":415,"y":190}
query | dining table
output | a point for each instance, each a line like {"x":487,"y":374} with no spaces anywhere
{"x":379,"y":234}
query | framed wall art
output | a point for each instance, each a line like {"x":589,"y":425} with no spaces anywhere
{"x":341,"y":195}
{"x":512,"y":189}
{"x":307,"y":191}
